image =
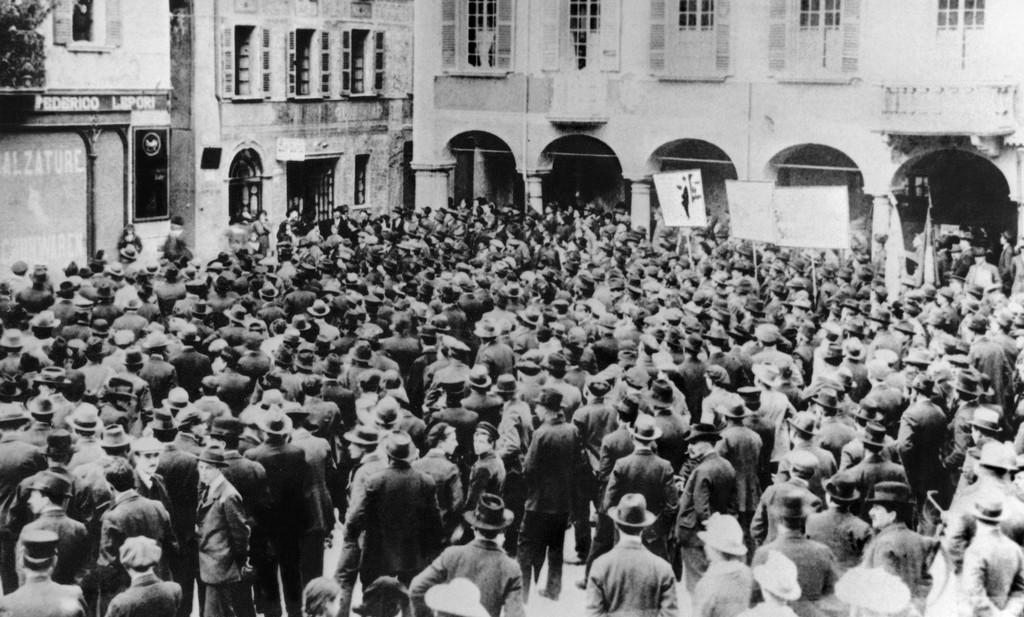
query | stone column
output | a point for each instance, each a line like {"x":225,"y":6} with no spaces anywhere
{"x":431,"y":185}
{"x":640,"y":202}
{"x":880,"y":219}
{"x":535,"y":188}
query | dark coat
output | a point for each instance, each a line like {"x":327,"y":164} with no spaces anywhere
{"x":614,"y":446}
{"x":843,"y":532}
{"x":148,"y":596}
{"x":487,"y":407}
{"x":631,"y":580}
{"x":286,"y":469}
{"x":496,"y":575}
{"x":872,"y":470}
{"x":550,"y":468}
{"x":465,"y":422}
{"x":486,"y":476}
{"x":43,"y":599}
{"x":397,"y":510}
{"x":447,"y":485}
{"x":741,"y":446}
{"x":180,"y":471}
{"x":764,"y":525}
{"x":816,"y":569}
{"x":72,"y":544}
{"x":319,"y":466}
{"x":191,"y":367}
{"x":249,"y":479}
{"x":645,"y":473}
{"x":161,"y":377}
{"x":904,"y":553}
{"x":710,"y":488}
{"x":672,"y":443}
{"x":921,"y":435}
{"x":18,"y":460}
{"x":222,"y":529}
{"x":131,"y":515}
{"x":594,"y":421}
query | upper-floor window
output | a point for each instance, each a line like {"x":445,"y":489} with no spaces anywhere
{"x":814,"y":38}
{"x":960,"y":34}
{"x":961,"y":14}
{"x":93,"y":23}
{"x":362,"y":62}
{"x":245,"y":61}
{"x":689,"y":38}
{"x":581,"y":34}
{"x":476,"y":35}
{"x":584,"y":31}
{"x":359,"y":183}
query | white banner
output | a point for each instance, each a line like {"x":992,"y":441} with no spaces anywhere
{"x":813,"y":217}
{"x":681,"y":195}
{"x":750,"y":210}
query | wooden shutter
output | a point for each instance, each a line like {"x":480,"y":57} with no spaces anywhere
{"x":657,"y":42}
{"x":448,"y":38}
{"x":325,"y":64}
{"x":346,"y":62}
{"x":378,"y":62}
{"x":114,"y":23}
{"x":292,"y":65}
{"x":265,"y":61}
{"x":777,"y":25}
{"x":62,"y":22}
{"x":610,"y":41}
{"x":851,"y":35}
{"x":722,"y":42}
{"x":227,"y":61}
{"x":506,"y":18}
{"x":551,"y":17}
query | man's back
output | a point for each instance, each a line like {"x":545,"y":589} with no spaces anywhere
{"x":497,"y":575}
{"x":631,"y":580}
{"x":550,"y":468}
{"x":43,"y":599}
{"x":285,"y":465}
{"x":148,"y":596}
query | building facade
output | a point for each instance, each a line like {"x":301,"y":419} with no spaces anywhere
{"x":298,"y":105}
{"x":906,"y":103}
{"x":83,"y":133}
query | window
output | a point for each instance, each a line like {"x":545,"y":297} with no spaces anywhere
{"x":245,"y":185}
{"x":961,"y":14}
{"x":362,"y":165}
{"x":819,"y":40}
{"x":359,"y":38}
{"x":960,"y":41}
{"x":83,"y":18}
{"x":87,"y":23}
{"x":362,"y":61}
{"x":245,"y":64}
{"x":696,"y":15}
{"x":303,"y":62}
{"x":814,"y":38}
{"x":476,"y":35}
{"x":584,"y":30}
{"x":244,"y":40}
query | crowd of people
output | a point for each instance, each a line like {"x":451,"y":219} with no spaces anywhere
{"x":457,"y":390}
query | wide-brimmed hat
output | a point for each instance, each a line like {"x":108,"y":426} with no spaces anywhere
{"x":989,"y":510}
{"x":275,"y":424}
{"x":114,"y":437}
{"x":398,"y":446}
{"x":479,"y":379}
{"x":778,"y":575}
{"x":631,"y":512}
{"x":987,"y":419}
{"x":319,"y":309}
{"x":842,"y":489}
{"x":213,"y":455}
{"x":363,"y":435}
{"x":485,"y":329}
{"x":644,"y":429}
{"x":874,"y":435}
{"x":893,"y":493}
{"x":805,"y":423}
{"x":459,"y":598}
{"x":703,"y":432}
{"x":999,"y":456}
{"x":827,"y":398}
{"x":11,"y":340}
{"x":723,"y":533}
{"x":967,"y":383}
{"x":733,"y":407}
{"x":490,"y":513}
{"x":85,"y":418}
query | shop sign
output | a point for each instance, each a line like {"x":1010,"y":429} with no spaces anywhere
{"x":92,"y":103}
{"x":291,"y":149}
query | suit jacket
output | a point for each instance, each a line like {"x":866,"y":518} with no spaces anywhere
{"x":180,"y":471}
{"x":43,"y":599}
{"x":672,"y":443}
{"x":497,"y":575}
{"x":904,"y":553}
{"x":487,"y":407}
{"x":920,"y":439}
{"x":710,"y":488}
{"x":497,"y":357}
{"x":614,"y":446}
{"x":631,"y":580}
{"x":148,"y":596}
{"x":191,"y":366}
{"x":833,"y":435}
{"x":724,"y":590}
{"x":594,"y":421}
{"x":249,"y":479}
{"x":161,"y":377}
{"x":550,"y":467}
{"x":72,"y":544}
{"x":397,"y":510}
{"x":646,"y":473}
{"x":843,"y":532}
{"x":465,"y":422}
{"x":993,"y":576}
{"x":815,"y":568}
{"x":742,"y":447}
{"x":18,"y":460}
{"x":486,"y":476}
{"x":319,"y":466}
{"x":447,"y":484}
{"x":403,"y":350}
{"x":764,"y":525}
{"x":222,"y":534}
{"x":286,"y":469}
{"x":132,"y":515}
{"x":872,"y":470}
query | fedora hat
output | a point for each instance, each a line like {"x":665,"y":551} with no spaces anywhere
{"x":996,"y":455}
{"x":895,"y":493}
{"x":889,"y":595}
{"x":723,"y":533}
{"x":58,"y":444}
{"x":213,"y":455}
{"x":507,"y":384}
{"x":733,"y":408}
{"x":363,"y":436}
{"x":703,"y":432}
{"x":11,"y":340}
{"x":987,"y":419}
{"x":85,"y":418}
{"x":841,"y":489}
{"x":874,"y":435}
{"x":51,"y":484}
{"x":319,"y":309}
{"x":826,"y":397}
{"x":133,"y":357}
{"x":791,"y":504}
{"x":485,"y":329}
{"x":41,"y":408}
{"x":989,"y":510}
{"x":490,"y":513}
{"x":631,"y":512}
{"x":479,"y":379}
{"x":458,"y":598}
{"x":804,"y":422}
{"x":399,"y":447}
{"x":275,"y":423}
{"x":52,"y":376}
{"x":778,"y":576}
{"x":644,"y":429}
{"x":114,"y":437}
{"x":967,"y":383}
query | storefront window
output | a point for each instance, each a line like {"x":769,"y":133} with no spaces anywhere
{"x":245,"y":186}
{"x":151,"y":184}
{"x":362,"y":164}
{"x":311,"y":188}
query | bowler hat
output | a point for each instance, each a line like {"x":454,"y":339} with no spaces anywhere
{"x":399,"y":447}
{"x":490,"y":513}
{"x":363,"y":435}
{"x":213,"y":455}
{"x":896,"y":493}
{"x":703,"y":432}
{"x":842,"y":489}
{"x":645,"y":430}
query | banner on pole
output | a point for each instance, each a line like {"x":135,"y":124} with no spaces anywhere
{"x":814,"y":217}
{"x":750,"y":210}
{"x":681,"y":194}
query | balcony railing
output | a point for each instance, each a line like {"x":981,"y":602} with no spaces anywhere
{"x":968,"y":109}
{"x":579,"y":97}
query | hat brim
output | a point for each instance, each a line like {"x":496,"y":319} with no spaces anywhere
{"x":473,"y":521}
{"x":801,"y":430}
{"x":655,"y":436}
{"x":703,"y":436}
{"x":738,"y":550}
{"x":213,"y":462}
{"x":649,"y":519}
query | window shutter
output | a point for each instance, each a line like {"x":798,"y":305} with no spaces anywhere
{"x":722,"y":41}
{"x":227,"y":49}
{"x":448,"y":39}
{"x":325,"y":64}
{"x":551,"y":17}
{"x":657,"y":43}
{"x":62,"y":22}
{"x":506,"y":18}
{"x":346,"y":62}
{"x":378,"y":62}
{"x":851,"y":35}
{"x":610,"y":43}
{"x":114,"y":23}
{"x":265,"y":61}
{"x":777,"y":24}
{"x":292,"y":77}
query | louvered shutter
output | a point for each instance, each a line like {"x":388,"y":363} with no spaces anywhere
{"x":114,"y":23}
{"x":657,"y":42}
{"x":227,"y":55}
{"x":448,"y":39}
{"x":777,"y":25}
{"x":265,"y":61}
{"x":325,"y":64}
{"x":346,"y":62}
{"x":291,"y":64}
{"x":378,"y":62}
{"x":722,"y":42}
{"x":62,"y":22}
{"x":611,"y":11}
{"x":506,"y":17}
{"x":550,"y":29}
{"x":851,"y":35}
